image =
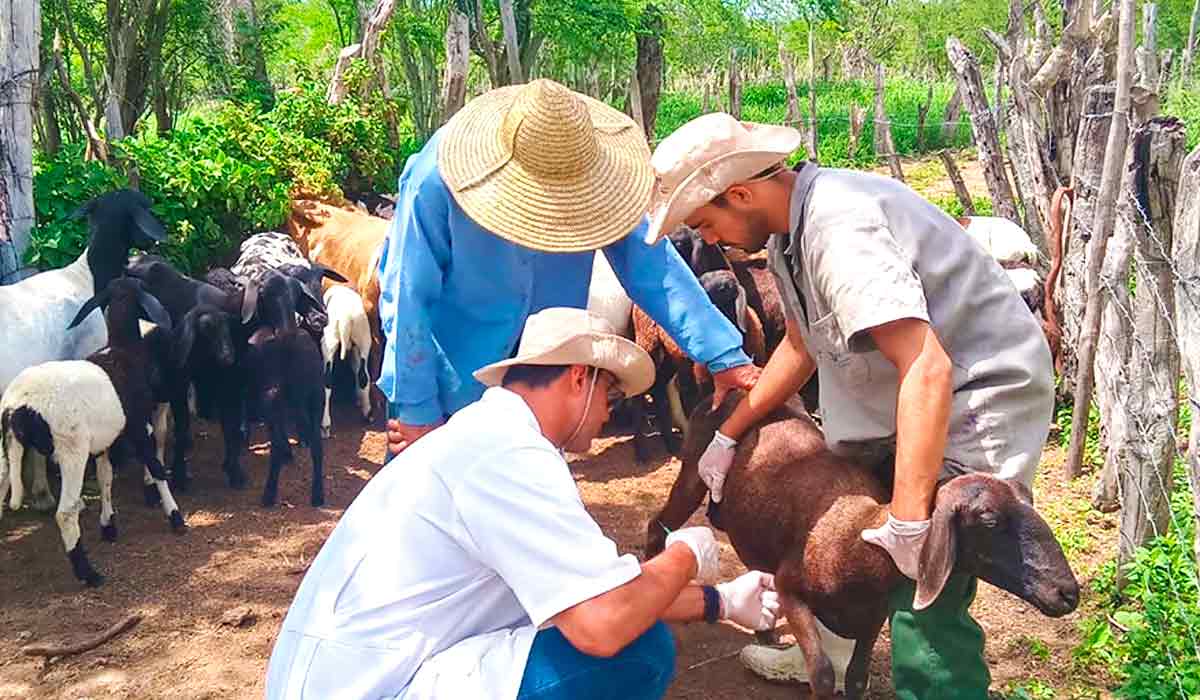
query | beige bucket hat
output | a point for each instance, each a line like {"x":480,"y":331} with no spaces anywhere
{"x":547,"y":168}
{"x":704,"y":157}
{"x":566,"y":336}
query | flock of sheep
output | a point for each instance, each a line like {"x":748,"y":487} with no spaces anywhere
{"x":258,"y":341}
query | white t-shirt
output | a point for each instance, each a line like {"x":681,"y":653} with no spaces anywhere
{"x":472,"y":538}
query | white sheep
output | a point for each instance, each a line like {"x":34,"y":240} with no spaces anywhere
{"x":34,"y":313}
{"x":348,"y":332}
{"x":1004,"y":240}
{"x":72,"y":409}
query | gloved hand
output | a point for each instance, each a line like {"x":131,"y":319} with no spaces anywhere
{"x":715,"y":464}
{"x":704,"y":546}
{"x":750,"y":600}
{"x":903,"y":540}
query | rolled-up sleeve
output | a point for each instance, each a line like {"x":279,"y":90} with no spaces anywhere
{"x":411,"y":268}
{"x":659,"y":281}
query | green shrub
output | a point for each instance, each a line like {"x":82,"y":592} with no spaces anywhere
{"x":1183,"y":101}
{"x":1148,"y":633}
{"x":60,"y":185}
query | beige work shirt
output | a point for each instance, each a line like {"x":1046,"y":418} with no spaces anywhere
{"x":866,"y":250}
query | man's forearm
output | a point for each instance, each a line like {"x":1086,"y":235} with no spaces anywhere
{"x":688,"y":606}
{"x":788,"y":370}
{"x":922,"y":421}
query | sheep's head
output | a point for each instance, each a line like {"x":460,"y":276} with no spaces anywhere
{"x":279,"y":298}
{"x":700,"y":256}
{"x":987,"y":527}
{"x":214,"y":329}
{"x":125,"y":215}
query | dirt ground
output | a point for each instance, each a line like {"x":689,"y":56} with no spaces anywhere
{"x":212,"y":599}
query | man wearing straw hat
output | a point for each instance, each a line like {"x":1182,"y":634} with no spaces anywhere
{"x":930,"y":363}
{"x":497,"y":217}
{"x":469,"y":568}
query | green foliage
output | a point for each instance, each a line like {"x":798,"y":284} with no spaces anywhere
{"x":220,"y":175}
{"x":949,"y":203}
{"x":1148,"y":632}
{"x":1091,"y":445}
{"x":1183,"y":101}
{"x":768,"y":103}
{"x":1030,"y":690}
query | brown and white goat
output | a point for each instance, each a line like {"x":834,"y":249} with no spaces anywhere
{"x":794,"y":508}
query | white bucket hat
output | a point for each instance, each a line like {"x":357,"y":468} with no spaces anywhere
{"x":567,"y":336}
{"x":704,"y":157}
{"x":547,"y":168}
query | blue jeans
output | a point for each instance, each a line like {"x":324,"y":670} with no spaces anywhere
{"x":558,"y":671}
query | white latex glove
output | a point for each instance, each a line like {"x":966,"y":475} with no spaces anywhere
{"x":750,"y":600}
{"x":704,"y":546}
{"x":903,"y":540}
{"x":715,"y":463}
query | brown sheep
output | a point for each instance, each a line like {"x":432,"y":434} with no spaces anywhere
{"x":794,"y":508}
{"x":349,"y":241}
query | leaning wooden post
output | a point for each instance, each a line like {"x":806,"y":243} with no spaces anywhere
{"x":951,"y":115}
{"x":984,"y":128}
{"x":1118,"y":136}
{"x":884,"y":145}
{"x":735,"y":86}
{"x":1186,"y":253}
{"x":789,"y":81}
{"x":1152,"y":404}
{"x":858,"y":115}
{"x":960,"y":187}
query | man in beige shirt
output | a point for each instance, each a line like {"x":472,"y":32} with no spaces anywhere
{"x":927,"y":356}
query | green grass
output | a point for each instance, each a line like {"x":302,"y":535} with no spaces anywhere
{"x":1183,"y":101}
{"x":768,"y":103}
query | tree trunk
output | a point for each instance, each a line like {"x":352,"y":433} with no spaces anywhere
{"x":20,"y":35}
{"x":812,"y":96}
{"x":983,"y":127}
{"x":50,"y":127}
{"x":706,"y":98}
{"x":1036,"y":189}
{"x":922,"y":114}
{"x":884,"y":146}
{"x":735,"y":86}
{"x":1152,"y":404}
{"x":635,"y":102}
{"x":858,"y":115}
{"x":1102,"y":225}
{"x":650,"y":66}
{"x":366,"y":49}
{"x":789,"y":80}
{"x":1186,"y":254}
{"x":458,"y":57}
{"x":485,"y":47}
{"x":1189,"y":52}
{"x":960,"y":187}
{"x":1089,"y":162}
{"x":512,"y":51}
{"x":951,"y":115}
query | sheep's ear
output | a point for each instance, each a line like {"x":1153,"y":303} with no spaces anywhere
{"x":739,"y":310}
{"x":100,"y":301}
{"x":149,"y":224}
{"x":329,"y":272}
{"x":249,"y":299}
{"x":939,"y":553}
{"x":307,"y":302}
{"x":153,"y":311}
{"x":187,"y":338}
{"x":83,"y":210}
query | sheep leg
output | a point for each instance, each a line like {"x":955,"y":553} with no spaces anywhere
{"x":316,"y":451}
{"x":231,"y":429}
{"x":686,"y":494}
{"x":821,"y":677}
{"x":41,"y":498}
{"x":662,"y":410}
{"x":70,"y":503}
{"x":160,"y":432}
{"x":637,"y":413}
{"x":280,"y":454}
{"x":363,"y":384}
{"x":104,"y":475}
{"x":859,"y":671}
{"x":326,"y":430}
{"x":144,"y":445}
{"x":182,"y":413}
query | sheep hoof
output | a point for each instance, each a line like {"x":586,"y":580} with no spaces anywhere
{"x":318,"y":500}
{"x":93,"y":579}
{"x":178,"y":526}
{"x":268,"y":501}
{"x":109,"y":531}
{"x":151,"y":495}
{"x":83,"y":568}
{"x":180,"y":482}
{"x":326,"y":433}
{"x":43,"y":502}
{"x":369,"y":418}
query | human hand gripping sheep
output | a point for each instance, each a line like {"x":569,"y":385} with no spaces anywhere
{"x":750,"y":600}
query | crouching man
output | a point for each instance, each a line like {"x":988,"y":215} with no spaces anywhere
{"x":469,"y":568}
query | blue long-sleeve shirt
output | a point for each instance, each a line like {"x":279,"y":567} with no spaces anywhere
{"x":454,"y":297}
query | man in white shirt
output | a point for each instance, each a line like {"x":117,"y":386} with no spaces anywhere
{"x":469,"y":568}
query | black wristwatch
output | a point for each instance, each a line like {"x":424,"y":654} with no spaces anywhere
{"x":712,"y":604}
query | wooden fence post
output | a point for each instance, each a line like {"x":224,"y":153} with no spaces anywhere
{"x":884,"y":145}
{"x":858,"y":115}
{"x":1118,"y":136}
{"x":735,"y":86}
{"x":984,"y":128}
{"x":960,"y":187}
{"x":1186,"y":253}
{"x":1152,"y":403}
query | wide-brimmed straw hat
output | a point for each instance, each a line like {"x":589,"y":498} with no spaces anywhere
{"x":566,"y":336}
{"x":547,"y":168}
{"x":704,"y":157}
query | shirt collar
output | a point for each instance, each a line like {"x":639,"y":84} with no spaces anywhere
{"x":796,"y":208}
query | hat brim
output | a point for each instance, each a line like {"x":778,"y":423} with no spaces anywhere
{"x":773,"y":144}
{"x":630,"y":364}
{"x":598,"y":206}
